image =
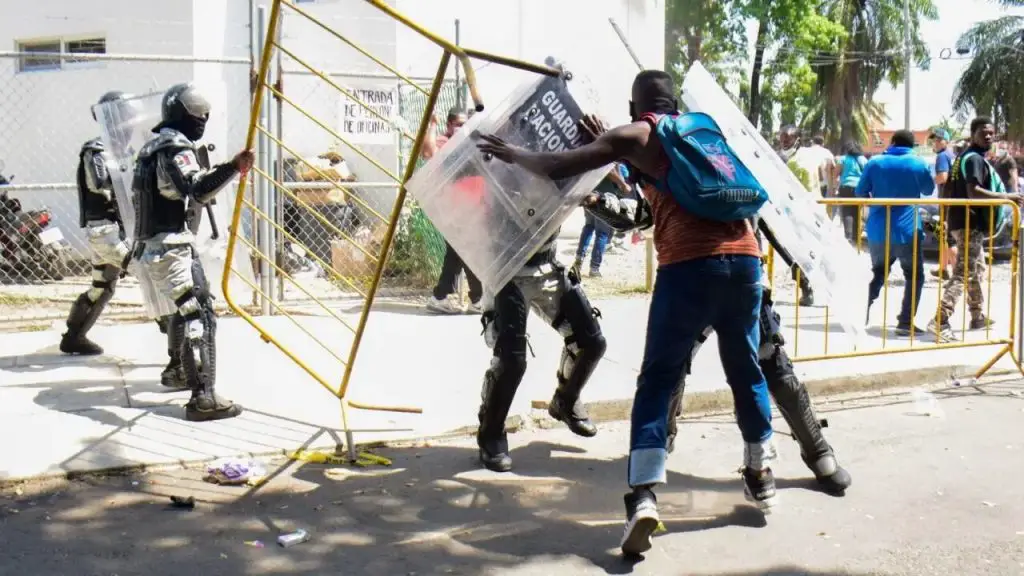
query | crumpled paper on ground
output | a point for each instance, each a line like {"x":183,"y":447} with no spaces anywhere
{"x":235,"y":472}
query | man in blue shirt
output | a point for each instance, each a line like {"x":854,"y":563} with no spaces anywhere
{"x":897,"y":173}
{"x":944,"y":157}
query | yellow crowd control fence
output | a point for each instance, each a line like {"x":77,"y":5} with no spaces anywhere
{"x":992,"y":240}
{"x":324,"y":339}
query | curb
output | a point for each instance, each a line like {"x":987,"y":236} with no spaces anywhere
{"x":720,"y":401}
{"x":695,"y":404}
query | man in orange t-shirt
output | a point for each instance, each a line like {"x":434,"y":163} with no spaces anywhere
{"x":709,"y":275}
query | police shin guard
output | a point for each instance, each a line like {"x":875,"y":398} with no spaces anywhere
{"x":794,"y":403}
{"x":584,"y":348}
{"x":500,"y":384}
{"x":199,"y":354}
{"x":173,"y":376}
{"x":86,"y":310}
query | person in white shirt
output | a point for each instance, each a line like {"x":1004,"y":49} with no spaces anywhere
{"x":826,"y":165}
{"x":808,"y":162}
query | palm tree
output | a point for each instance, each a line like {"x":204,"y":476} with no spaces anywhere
{"x":991,"y":84}
{"x":851,"y":73}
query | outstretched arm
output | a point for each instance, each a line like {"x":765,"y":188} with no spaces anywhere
{"x":198,"y":183}
{"x":615,"y":144}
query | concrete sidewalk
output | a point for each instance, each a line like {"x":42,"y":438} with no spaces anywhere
{"x":67,"y":415}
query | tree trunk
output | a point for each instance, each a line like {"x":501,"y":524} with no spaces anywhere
{"x":754,"y":113}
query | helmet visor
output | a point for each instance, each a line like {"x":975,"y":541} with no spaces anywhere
{"x":195,"y":103}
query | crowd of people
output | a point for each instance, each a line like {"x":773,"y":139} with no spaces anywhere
{"x":968,"y":169}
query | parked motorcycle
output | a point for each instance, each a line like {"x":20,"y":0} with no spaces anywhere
{"x":31,"y":246}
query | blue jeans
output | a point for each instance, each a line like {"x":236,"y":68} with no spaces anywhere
{"x":905,"y":254}
{"x":723,"y":292}
{"x":602,"y":234}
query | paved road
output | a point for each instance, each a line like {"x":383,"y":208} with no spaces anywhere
{"x":932,"y":495}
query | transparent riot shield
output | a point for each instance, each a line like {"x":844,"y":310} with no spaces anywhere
{"x":497,"y":215}
{"x":126,"y":126}
{"x":799,"y":223}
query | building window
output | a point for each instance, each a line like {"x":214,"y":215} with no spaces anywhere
{"x":42,"y":62}
{"x":84,"y":46}
{"x":48,"y":52}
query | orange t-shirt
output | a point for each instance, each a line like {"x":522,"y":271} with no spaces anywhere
{"x":680,"y":235}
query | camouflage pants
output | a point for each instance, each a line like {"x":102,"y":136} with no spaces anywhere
{"x":971,"y":257}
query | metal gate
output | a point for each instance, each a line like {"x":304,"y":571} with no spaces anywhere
{"x":321,"y":335}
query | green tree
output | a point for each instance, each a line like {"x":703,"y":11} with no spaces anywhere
{"x":703,"y":30}
{"x":851,"y":70}
{"x":789,"y":29}
{"x":954,"y":126}
{"x":992,"y":83}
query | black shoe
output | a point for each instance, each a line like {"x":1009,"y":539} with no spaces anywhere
{"x":575,"y":418}
{"x":79,"y":345}
{"x":759,"y":488}
{"x":904,"y":330}
{"x":807,"y":300}
{"x":494,"y":453}
{"x":833,"y":478}
{"x":204,"y":408}
{"x":641,"y":521}
{"x":981,"y":323}
{"x":173,"y":378}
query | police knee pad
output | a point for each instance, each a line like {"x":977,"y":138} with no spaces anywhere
{"x":582,"y":320}
{"x":509,"y":359}
{"x":104,"y":281}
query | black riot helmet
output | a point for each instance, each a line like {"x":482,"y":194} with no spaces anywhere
{"x":185,"y":109}
{"x":112,"y":96}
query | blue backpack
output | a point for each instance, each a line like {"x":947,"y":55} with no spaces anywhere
{"x":705,"y":177}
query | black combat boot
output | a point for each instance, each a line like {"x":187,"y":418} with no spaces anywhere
{"x":174,"y":376}
{"x":794,"y":404}
{"x":83,"y":315}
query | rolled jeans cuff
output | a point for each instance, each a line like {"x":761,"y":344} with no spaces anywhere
{"x":647,"y":466}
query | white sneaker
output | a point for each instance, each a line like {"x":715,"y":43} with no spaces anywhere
{"x":444,"y":306}
{"x":945,"y":333}
{"x":474,"y":308}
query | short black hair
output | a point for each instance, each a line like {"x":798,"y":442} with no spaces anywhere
{"x":454,"y":112}
{"x":904,"y":138}
{"x":818,"y":139}
{"x":654,"y":91}
{"x":979,"y":123}
{"x":789,"y":129}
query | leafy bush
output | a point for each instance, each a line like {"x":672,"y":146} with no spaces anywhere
{"x":418,"y":250}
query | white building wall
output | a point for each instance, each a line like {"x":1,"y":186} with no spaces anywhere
{"x":44,"y":115}
{"x":577,"y":31}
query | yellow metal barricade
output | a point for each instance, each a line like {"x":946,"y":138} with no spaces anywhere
{"x":339,"y":347}
{"x":929,"y":340}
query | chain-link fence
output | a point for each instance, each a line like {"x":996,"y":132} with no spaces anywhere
{"x":45,"y":118}
{"x":333,"y":202}
{"x":324,"y":234}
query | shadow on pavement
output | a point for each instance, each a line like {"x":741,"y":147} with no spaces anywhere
{"x":432,"y":512}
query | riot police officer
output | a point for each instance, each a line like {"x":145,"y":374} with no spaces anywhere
{"x":98,"y":214}
{"x":554,"y":292}
{"x":168,"y":180}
